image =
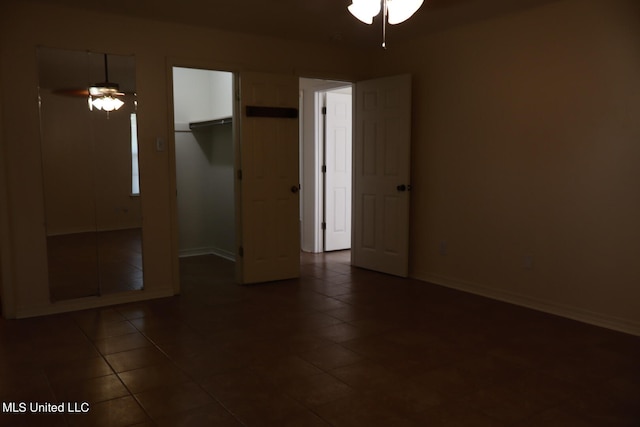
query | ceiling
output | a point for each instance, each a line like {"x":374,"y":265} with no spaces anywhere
{"x":69,"y":72}
{"x":307,"y":20}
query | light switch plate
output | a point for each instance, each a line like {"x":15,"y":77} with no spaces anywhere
{"x":161,"y":144}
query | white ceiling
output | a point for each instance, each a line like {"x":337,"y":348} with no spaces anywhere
{"x":309,"y":20}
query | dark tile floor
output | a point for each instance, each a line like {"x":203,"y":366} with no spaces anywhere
{"x":340,"y":346}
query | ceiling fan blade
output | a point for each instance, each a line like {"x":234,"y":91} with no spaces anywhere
{"x":71,"y":92}
{"x":82,"y":92}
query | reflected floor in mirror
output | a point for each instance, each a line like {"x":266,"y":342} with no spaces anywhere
{"x":95,"y":263}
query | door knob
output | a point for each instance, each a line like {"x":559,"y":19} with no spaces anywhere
{"x":294,"y":189}
{"x":402,"y":187}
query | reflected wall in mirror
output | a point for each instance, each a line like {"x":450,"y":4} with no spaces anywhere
{"x":90,"y":175}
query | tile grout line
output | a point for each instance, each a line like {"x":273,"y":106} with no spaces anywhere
{"x":103,"y":356}
{"x":157,"y":347}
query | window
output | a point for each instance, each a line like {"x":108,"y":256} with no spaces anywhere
{"x":135,"y":173}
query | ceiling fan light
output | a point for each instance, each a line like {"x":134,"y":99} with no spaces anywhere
{"x":110,"y":104}
{"x":365,"y":10}
{"x":117,"y":103}
{"x":104,"y":96}
{"x":401,"y":10}
{"x":97,"y":103}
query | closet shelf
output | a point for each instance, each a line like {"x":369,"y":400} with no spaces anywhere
{"x":207,"y":123}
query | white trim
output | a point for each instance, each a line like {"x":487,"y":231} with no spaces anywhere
{"x":598,"y":319}
{"x":318,"y":146}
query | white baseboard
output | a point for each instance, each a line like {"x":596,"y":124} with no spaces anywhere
{"x":598,"y":319}
{"x":183,"y":253}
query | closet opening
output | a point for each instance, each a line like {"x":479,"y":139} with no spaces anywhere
{"x":204,"y":156}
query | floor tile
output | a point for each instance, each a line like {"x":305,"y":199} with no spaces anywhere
{"x":92,"y":390}
{"x":340,"y":332}
{"x":253,"y":399}
{"x":358,"y":410}
{"x":603,"y":409}
{"x":340,"y":346}
{"x":154,"y":376}
{"x":101,"y":330}
{"x":173,"y":399}
{"x":30,"y":420}
{"x":487,"y":370}
{"x":331,"y":356}
{"x":459,"y":415}
{"x":316,"y":390}
{"x":78,"y":370}
{"x":503,"y":404}
{"x":557,"y":417}
{"x":21,"y":384}
{"x":283,"y":369}
{"x":121,"y":412}
{"x":121,"y":343}
{"x":212,"y":414}
{"x":135,"y":359}
{"x":365,"y":375}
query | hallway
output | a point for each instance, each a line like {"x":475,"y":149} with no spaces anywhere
{"x":340,"y":346}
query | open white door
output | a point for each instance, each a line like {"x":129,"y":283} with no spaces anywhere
{"x":268,"y":178}
{"x":382,"y":136}
{"x":338,"y":161}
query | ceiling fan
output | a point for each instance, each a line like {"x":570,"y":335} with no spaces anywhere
{"x":103,"y":95}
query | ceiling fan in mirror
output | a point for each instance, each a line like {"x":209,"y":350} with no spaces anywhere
{"x":102,"y":96}
{"x":105,"y":95}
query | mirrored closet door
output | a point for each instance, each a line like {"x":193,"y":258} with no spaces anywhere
{"x":90,"y":173}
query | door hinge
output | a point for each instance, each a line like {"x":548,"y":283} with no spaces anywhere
{"x":324,"y":110}
{"x":324,"y":168}
{"x":241,"y":251}
{"x":324,"y":225}
{"x":239,"y":174}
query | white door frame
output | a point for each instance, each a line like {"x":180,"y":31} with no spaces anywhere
{"x":311,"y":167}
{"x":334,"y":238}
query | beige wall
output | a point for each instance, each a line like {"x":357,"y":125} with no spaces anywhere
{"x":526,"y":143}
{"x":5,"y":299}
{"x":156,"y":46}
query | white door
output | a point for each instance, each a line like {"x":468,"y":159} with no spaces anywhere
{"x":381,"y":175}
{"x":268,"y":178}
{"x":338,"y":161}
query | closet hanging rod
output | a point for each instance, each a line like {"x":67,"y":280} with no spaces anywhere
{"x":206,"y":123}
